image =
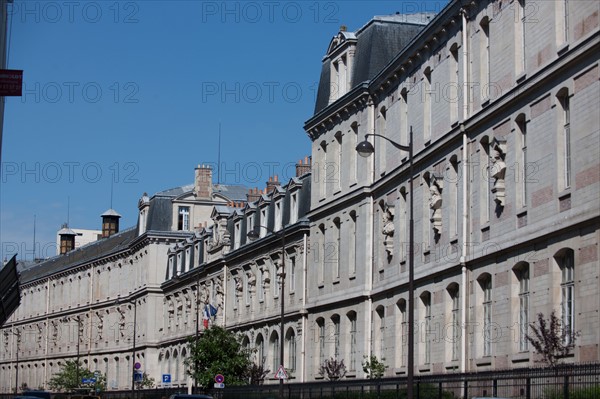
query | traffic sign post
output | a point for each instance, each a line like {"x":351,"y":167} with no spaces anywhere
{"x":166,"y":378}
{"x":219,"y":381}
{"x":281,"y":374}
{"x":138,"y":376}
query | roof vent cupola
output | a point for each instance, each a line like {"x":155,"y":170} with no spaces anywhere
{"x":110,"y":223}
{"x":67,"y":239}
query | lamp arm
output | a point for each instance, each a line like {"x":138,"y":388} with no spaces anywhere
{"x":398,"y":146}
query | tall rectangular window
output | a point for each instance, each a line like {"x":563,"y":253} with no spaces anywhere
{"x":352,"y":342}
{"x":278,"y":215}
{"x":427,"y":304}
{"x":292,"y":352}
{"x":568,"y":295}
{"x":485,"y":57}
{"x":567,"y":140}
{"x":237,"y":235}
{"x":183,"y":218}
{"x":521,"y":168}
{"x":292,"y":274}
{"x":455,"y":325}
{"x":352,"y":240}
{"x":523,"y":308}
{"x":321,"y":342}
{"x":261,"y":285}
{"x":487,"y":316}
{"x":294,"y":208}
{"x":404,"y":333}
{"x":264,"y":221}
{"x":337,"y":250}
{"x":427,"y":106}
{"x":336,"y":338}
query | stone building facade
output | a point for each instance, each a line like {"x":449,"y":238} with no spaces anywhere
{"x":502,"y":98}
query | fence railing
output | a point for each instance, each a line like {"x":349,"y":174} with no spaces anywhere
{"x":580,"y":381}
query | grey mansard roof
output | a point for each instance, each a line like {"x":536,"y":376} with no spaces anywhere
{"x":80,"y":256}
{"x":233,"y":192}
{"x":377,"y":43}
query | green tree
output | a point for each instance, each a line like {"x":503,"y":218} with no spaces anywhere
{"x":551,"y":339}
{"x":147,"y":382}
{"x":333,"y":369}
{"x":374,"y":367}
{"x":218,"y":351}
{"x":66,"y":379}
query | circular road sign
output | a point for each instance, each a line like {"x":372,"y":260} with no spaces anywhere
{"x":137,"y":365}
{"x":219,"y":378}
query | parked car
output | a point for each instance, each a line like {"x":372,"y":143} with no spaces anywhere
{"x":37,"y":394}
{"x":186,"y":396}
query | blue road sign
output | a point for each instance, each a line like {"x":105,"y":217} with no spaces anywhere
{"x":166,"y":378}
{"x":138,"y":376}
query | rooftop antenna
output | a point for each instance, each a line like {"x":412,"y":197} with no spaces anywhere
{"x":68,"y":208}
{"x":111,"y":193}
{"x":34,"y":237}
{"x":219,"y":157}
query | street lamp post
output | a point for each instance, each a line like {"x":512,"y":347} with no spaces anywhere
{"x":365,"y":149}
{"x":253,"y":235}
{"x":79,"y":323}
{"x":134,"y":303}
{"x":134,"y":336}
{"x":18,"y":335}
{"x":196,"y":363}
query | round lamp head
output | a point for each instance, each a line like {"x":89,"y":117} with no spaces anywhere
{"x":253,"y":234}
{"x":365,"y":149}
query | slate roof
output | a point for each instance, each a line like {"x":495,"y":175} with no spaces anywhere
{"x":233,"y":192}
{"x":79,"y":256}
{"x":377,"y":43}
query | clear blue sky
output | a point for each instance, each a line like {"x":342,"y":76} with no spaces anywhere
{"x":134,"y":92}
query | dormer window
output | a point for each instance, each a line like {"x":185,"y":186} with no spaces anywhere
{"x":264,"y":221}
{"x":294,"y":208}
{"x":183,"y":218}
{"x":278,"y":215}
{"x":250,"y":223}
{"x":237,"y":235}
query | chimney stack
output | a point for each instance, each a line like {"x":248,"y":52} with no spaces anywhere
{"x":110,"y":223}
{"x":253,"y":195}
{"x":272,"y":183}
{"x":203,"y":181}
{"x":303,"y":168}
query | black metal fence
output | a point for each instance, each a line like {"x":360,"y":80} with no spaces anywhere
{"x":567,"y":381}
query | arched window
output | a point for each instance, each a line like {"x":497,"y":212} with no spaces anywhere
{"x":453,"y":291}
{"x":274,"y":341}
{"x":426,"y":299}
{"x":401,"y":346}
{"x":485,"y":282}
{"x":291,"y":344}
{"x":521,"y":270}
{"x":335,"y":319}
{"x":566,"y":262}
{"x":321,"y":331}
{"x":352,"y":339}
{"x":260,"y":350}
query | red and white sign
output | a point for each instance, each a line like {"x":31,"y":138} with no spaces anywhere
{"x":281,"y":374}
{"x":11,"y":82}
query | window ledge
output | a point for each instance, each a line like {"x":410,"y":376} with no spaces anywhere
{"x":565,"y":194}
{"x":563,"y":48}
{"x":522,"y":212}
